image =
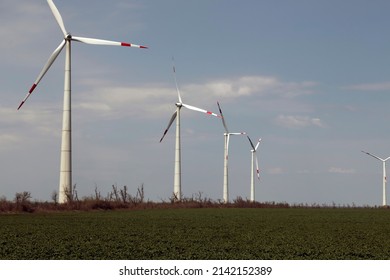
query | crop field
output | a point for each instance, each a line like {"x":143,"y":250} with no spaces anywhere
{"x":226,"y":233}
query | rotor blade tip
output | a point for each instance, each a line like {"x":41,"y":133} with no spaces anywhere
{"x":165,"y":133}
{"x":21,"y":104}
{"x":123,"y":44}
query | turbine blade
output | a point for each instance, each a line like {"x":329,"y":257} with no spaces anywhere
{"x":237,"y":133}
{"x":374,"y":156}
{"x":49,"y":62}
{"x":169,"y":125}
{"x":199,"y":110}
{"x":58,"y":17}
{"x":223,"y":119}
{"x":174,"y":76}
{"x":93,"y":41}
{"x":257,"y":145}
{"x":257,"y":168}
{"x":227,"y":145}
{"x":250,"y":141}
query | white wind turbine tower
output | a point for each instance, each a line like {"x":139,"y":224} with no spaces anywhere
{"x":226,"y":156}
{"x":65,"y":184}
{"x":384,"y":175}
{"x":176,"y":115}
{"x":254,"y":157}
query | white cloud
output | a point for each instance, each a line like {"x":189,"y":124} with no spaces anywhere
{"x":251,"y":85}
{"x":275,"y":170}
{"x":8,"y":139}
{"x":298,"y":121}
{"x":155,"y":100}
{"x":105,"y":100}
{"x":370,"y":87}
{"x":339,"y":170}
{"x":23,"y":23}
{"x":118,"y":102}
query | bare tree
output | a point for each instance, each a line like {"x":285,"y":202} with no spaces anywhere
{"x":22,"y":197}
{"x":141,"y":194}
{"x":71,"y":194}
{"x":115,"y":193}
{"x":54,"y":197}
{"x":97,"y":194}
{"x":124,"y":194}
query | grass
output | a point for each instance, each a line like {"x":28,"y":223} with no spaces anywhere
{"x":198,"y":233}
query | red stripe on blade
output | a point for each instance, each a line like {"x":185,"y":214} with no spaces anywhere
{"x":125,"y":45}
{"x":32,"y":88}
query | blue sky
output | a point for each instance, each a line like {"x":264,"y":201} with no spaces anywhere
{"x":311,"y":78}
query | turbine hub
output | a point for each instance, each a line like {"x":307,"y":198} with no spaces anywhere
{"x":68,"y":36}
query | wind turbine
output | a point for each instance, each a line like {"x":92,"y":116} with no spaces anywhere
{"x":254,"y":156}
{"x":384,"y":175}
{"x":226,"y":155}
{"x":65,"y":185}
{"x":176,"y":115}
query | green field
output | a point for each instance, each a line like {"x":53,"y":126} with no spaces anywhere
{"x":228,"y":233}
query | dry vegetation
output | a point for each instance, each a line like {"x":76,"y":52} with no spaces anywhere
{"x":120,"y":198}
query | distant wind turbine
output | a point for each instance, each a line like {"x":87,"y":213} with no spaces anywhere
{"x":176,"y":115}
{"x":65,"y":185}
{"x":384,"y":175}
{"x":226,"y":156}
{"x":254,"y":157}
